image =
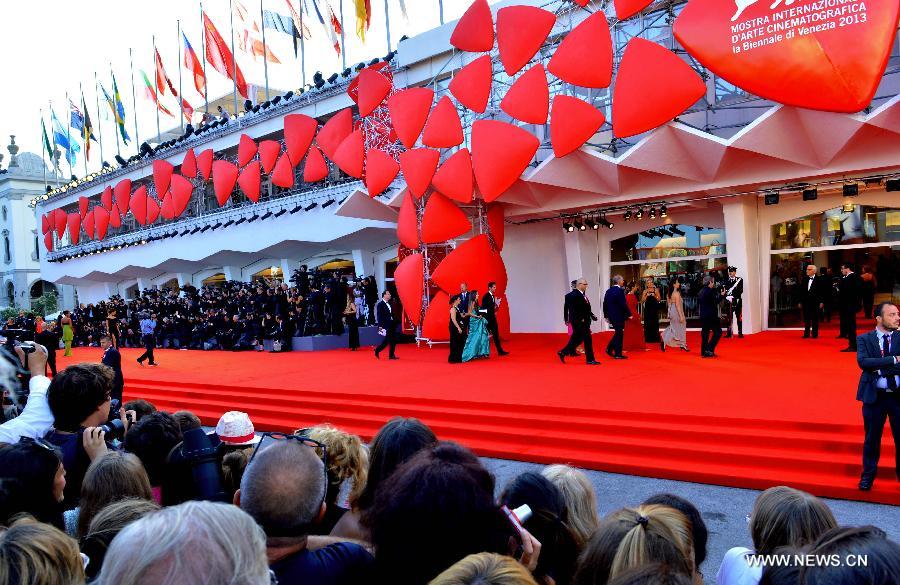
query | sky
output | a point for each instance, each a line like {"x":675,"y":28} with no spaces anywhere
{"x":52,"y":48}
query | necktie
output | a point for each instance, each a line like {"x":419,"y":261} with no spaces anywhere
{"x":886,"y":351}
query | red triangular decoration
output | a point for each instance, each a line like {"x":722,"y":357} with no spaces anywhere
{"x":167,"y":209}
{"x":87,"y":223}
{"x":162,"y":174}
{"x":268,"y":154}
{"x":283,"y":174}
{"x":409,"y":278}
{"x":409,"y":109}
{"x":443,"y":220}
{"x":122,"y":192}
{"x":472,"y":262}
{"x":106,"y":199}
{"x":189,"y":164}
{"x":637,"y":106}
{"x":249,"y":181}
{"x":381,"y":170}
{"x":495,"y":224}
{"x":138,"y":205}
{"x":454,"y":179}
{"x":204,"y":164}
{"x":101,"y":222}
{"x":315,"y":169}
{"x":45,"y":224}
{"x":351,"y":154}
{"x":373,"y":88}
{"x":628,"y":8}
{"x":500,"y":154}
{"x":471,"y":85}
{"x":443,"y":129}
{"x":408,"y":223}
{"x":48,"y":241}
{"x":335,"y":130}
{"x":60,"y":221}
{"x":181,"y":190}
{"x":115,"y":217}
{"x":528,"y":99}
{"x":475,"y":30}
{"x":436,"y":325}
{"x":418,"y":167}
{"x":585,"y":55}
{"x":82,"y":206}
{"x":299,"y":131}
{"x":152,"y":210}
{"x":521,"y":30}
{"x":224,"y":175}
{"x":572,"y":123}
{"x":246,"y":150}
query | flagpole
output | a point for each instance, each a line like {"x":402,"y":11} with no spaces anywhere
{"x":158,"y":92}
{"x":441,"y":10}
{"x":343,"y":44}
{"x":71,"y":150}
{"x":53,"y":156}
{"x":115,"y":111}
{"x":302,"y":49}
{"x":234,"y":58}
{"x":43,"y":149}
{"x":203,"y":60}
{"x":137,"y":139}
{"x":387,"y":22}
{"x":99,"y":125}
{"x":262,"y":19}
{"x":180,"y":92}
{"x":83,"y":127}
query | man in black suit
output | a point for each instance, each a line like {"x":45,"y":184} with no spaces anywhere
{"x":384,"y":318}
{"x":709,"y":299}
{"x":616,"y":311}
{"x":878,"y":356}
{"x":113,"y":359}
{"x":813,"y":292}
{"x":49,"y":338}
{"x":734,"y":290}
{"x":465,"y":306}
{"x":489,"y":305}
{"x":849,"y":303}
{"x":577,"y":312}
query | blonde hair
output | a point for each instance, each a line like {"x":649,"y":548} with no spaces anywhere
{"x":38,"y":554}
{"x":581,"y":501}
{"x":485,"y":569}
{"x":110,"y":478}
{"x":348,"y":459}
{"x":784,"y":516}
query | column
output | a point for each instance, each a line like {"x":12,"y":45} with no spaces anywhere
{"x":742,"y":238}
{"x":287,"y":268}
{"x":363,"y":262}
{"x":110,"y":289}
{"x":143,"y":283}
{"x":582,"y":261}
{"x":232,"y":272}
{"x":184,"y":279}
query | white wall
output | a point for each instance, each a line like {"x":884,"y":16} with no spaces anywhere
{"x":535,"y":260}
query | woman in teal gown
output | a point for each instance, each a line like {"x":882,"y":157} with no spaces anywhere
{"x":478,"y":341}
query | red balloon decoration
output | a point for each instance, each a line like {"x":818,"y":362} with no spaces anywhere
{"x":408,"y":223}
{"x":471,"y":85}
{"x":101,"y":221}
{"x":122,"y":192}
{"x":572,"y":123}
{"x":268,"y":153}
{"x":436,"y":325}
{"x":138,"y":205}
{"x":335,"y":130}
{"x":87,"y":222}
{"x":585,"y":55}
{"x":283,"y":174}
{"x":299,"y":131}
{"x":496,"y":225}
{"x":82,"y":206}
{"x":373,"y":88}
{"x":443,"y":129}
{"x":472,"y":262}
{"x":454,"y":179}
{"x":181,"y":190}
{"x":204,"y":164}
{"x":638,"y":105}
{"x":162,"y":174}
{"x":381,"y":170}
{"x":74,"y":225}
{"x":224,"y":176}
{"x":528,"y":99}
{"x":249,"y":181}
{"x":315,"y":169}
{"x":500,"y":154}
{"x":521,"y":30}
{"x":246,"y":150}
{"x":409,"y":279}
{"x":628,"y":8}
{"x":189,"y":164}
{"x":351,"y":154}
{"x":106,"y":199}
{"x":475,"y":30}
{"x":418,"y":167}
{"x":48,"y":241}
{"x":443,"y":220}
{"x":409,"y":109}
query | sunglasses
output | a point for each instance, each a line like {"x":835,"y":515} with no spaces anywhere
{"x":41,"y":443}
{"x":268,"y":439}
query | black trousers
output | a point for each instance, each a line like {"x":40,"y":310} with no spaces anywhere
{"x":848,"y":325}
{"x":51,"y":361}
{"x":886,"y":406}
{"x":737,"y":309}
{"x":390,"y":339}
{"x":581,"y":333}
{"x":811,"y":319}
{"x":494,"y":330}
{"x":149,"y":342}
{"x":614,"y":347}
{"x":713,"y":328}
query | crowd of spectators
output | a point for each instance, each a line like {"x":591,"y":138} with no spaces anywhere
{"x":91,"y":491}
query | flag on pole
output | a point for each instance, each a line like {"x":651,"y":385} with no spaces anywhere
{"x":299,"y":29}
{"x":117,"y":109}
{"x":163,"y":81}
{"x":84,"y":125}
{"x":363,"y":17}
{"x":219,"y":56}
{"x":47,"y":146}
{"x":150,"y":94}
{"x":77,"y":119}
{"x":332,"y":26}
{"x":249,"y":39}
{"x":194,"y":65}
{"x":61,"y":137}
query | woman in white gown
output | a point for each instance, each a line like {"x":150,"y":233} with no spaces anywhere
{"x":675,"y":334}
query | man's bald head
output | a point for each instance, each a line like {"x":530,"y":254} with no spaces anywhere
{"x":283,"y":489}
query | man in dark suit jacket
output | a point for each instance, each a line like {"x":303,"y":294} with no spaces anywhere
{"x":878,"y":356}
{"x":489,"y":305}
{"x":813,"y":291}
{"x":113,"y":359}
{"x":577,"y":312}
{"x":384,"y":318}
{"x":49,"y":338}
{"x":708,"y":300}
{"x":616,"y":311}
{"x":849,"y":303}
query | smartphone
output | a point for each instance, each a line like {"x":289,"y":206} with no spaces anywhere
{"x":517,"y":517}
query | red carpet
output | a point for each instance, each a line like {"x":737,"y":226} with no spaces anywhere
{"x":772,"y":409}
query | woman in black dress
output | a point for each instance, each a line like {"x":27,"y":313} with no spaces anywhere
{"x":457,"y":337}
{"x":651,"y":312}
{"x":352,"y":324}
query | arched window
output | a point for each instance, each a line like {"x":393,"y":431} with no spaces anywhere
{"x":4,"y":213}
{"x":10,"y":294}
{"x":7,"y":252}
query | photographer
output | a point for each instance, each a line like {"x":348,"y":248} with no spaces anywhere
{"x":79,"y":399}
{"x":36,"y":419}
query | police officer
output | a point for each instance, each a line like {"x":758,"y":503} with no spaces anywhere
{"x":733,"y":290}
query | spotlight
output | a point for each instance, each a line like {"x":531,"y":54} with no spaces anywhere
{"x":639,"y":214}
{"x":606,"y":222}
{"x":580,"y":226}
{"x":280,"y":212}
{"x":810,"y":194}
{"x":204,"y":228}
{"x":253,"y":218}
{"x":627,"y":215}
{"x":360,"y":66}
{"x":256,"y":108}
{"x":663,"y":212}
{"x":318,"y":80}
{"x":390,"y":56}
{"x":296,"y":209}
{"x":772,"y":198}
{"x":311,"y":206}
{"x":327,"y":203}
{"x":848,"y":208}
{"x":851,"y":190}
{"x":332,"y":78}
{"x":289,"y":95}
{"x":592,"y":224}
{"x":567,"y":227}
{"x":275,"y":100}
{"x":228,"y":223}
{"x":240,"y":221}
{"x":347,"y":72}
{"x":146,"y":149}
{"x":266,"y":215}
{"x":248,"y":105}
{"x":48,"y":188}
{"x":652,"y":214}
{"x":892,"y":185}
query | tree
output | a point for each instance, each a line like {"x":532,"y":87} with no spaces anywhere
{"x":44,"y":305}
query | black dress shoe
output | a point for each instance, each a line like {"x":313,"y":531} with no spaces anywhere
{"x":592,"y":363}
{"x":662,"y":346}
{"x":504,"y":353}
{"x":377,"y":357}
{"x":620,"y":357}
{"x":849,"y":350}
{"x":740,"y":335}
{"x":562,"y":356}
{"x":706,"y":354}
{"x":865,"y":484}
{"x":805,"y":336}
{"x":393,"y":357}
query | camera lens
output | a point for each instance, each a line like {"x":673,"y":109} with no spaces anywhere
{"x":114,"y":429}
